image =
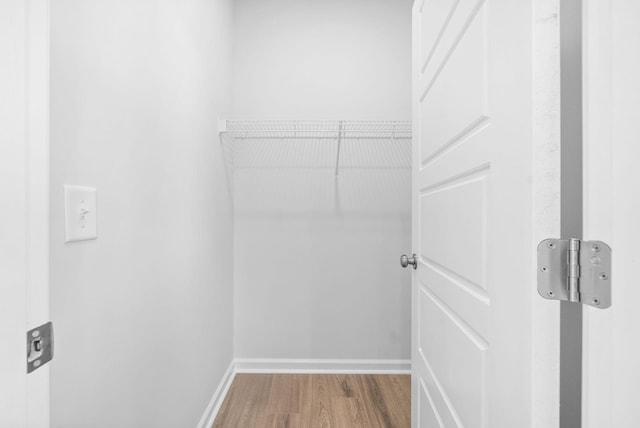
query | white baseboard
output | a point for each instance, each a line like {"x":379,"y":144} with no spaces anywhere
{"x":209,"y":416}
{"x":284,"y":365}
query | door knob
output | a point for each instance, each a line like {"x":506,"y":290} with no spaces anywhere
{"x":406,"y":261}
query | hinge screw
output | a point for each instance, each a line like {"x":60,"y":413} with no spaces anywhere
{"x":550,"y":293}
{"x":596,"y":302}
{"x":551,"y":245}
{"x":603,"y":276}
{"x":595,"y":248}
{"x":544,"y":268}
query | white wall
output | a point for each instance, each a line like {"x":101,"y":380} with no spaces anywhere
{"x":143,"y":315}
{"x":317,"y":270}
{"x":329,"y":59}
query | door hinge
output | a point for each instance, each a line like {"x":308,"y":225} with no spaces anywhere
{"x":575,"y":271}
{"x":39,"y":346}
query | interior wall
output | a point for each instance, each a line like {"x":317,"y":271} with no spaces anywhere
{"x":317,"y":272}
{"x":330,"y":59}
{"x":142,"y":315}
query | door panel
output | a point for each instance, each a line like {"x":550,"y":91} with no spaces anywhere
{"x":480,"y":203}
{"x":427,"y":408}
{"x":454,"y":91}
{"x":454,"y":354}
{"x":441,"y":245}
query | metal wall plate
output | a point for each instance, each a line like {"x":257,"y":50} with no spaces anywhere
{"x":39,"y":346}
{"x":593,"y":272}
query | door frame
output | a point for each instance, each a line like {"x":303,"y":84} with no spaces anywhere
{"x":598,"y":129}
{"x":38,"y":86}
{"x":26,"y":171}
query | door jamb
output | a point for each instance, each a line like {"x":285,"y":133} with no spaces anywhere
{"x":37,"y":47}
{"x":597,"y":24}
{"x":571,"y":202}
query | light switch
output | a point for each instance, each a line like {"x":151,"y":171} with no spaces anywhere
{"x":80,"y":213}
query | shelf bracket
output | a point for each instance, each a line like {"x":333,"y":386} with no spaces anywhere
{"x":222,"y":126}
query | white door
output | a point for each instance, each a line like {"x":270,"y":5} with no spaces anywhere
{"x":485,"y":192}
{"x":611,"y":340}
{"x":24,"y":208}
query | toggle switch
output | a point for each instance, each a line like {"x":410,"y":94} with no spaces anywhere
{"x":80,"y":213}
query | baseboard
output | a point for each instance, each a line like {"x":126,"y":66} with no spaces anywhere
{"x":209,"y":416}
{"x":284,"y":365}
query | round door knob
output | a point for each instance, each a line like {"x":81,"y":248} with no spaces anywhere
{"x":406,"y":261}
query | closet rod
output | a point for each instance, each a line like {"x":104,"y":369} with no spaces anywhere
{"x":344,"y":131}
{"x":280,"y":137}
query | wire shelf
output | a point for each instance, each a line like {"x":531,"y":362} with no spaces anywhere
{"x":317,"y":129}
{"x":264,"y":151}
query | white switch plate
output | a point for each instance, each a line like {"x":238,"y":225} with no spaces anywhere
{"x":80,"y":213}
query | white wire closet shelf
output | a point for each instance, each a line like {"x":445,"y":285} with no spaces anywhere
{"x":317,"y":129}
{"x":333,"y":144}
{"x":295,"y":164}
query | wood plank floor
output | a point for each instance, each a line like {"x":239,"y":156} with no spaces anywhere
{"x":317,"y":401}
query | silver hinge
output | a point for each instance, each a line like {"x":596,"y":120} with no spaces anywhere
{"x":575,"y":271}
{"x":39,"y":346}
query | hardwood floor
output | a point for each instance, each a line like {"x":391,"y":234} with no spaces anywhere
{"x":317,"y":401}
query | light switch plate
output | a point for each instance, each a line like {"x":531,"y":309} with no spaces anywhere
{"x":80,"y":213}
